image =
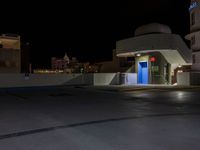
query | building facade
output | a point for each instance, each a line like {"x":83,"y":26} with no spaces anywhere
{"x":10,"y":53}
{"x":65,"y":65}
{"x":158,"y":53}
{"x":194,"y":35}
{"x":60,"y":63}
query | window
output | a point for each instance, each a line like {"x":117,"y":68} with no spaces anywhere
{"x":130,"y":59}
{"x":193,"y":18}
{"x":125,"y":62}
{"x":193,"y":59}
{"x":192,"y":40}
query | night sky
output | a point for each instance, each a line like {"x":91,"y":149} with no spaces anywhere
{"x":86,"y":29}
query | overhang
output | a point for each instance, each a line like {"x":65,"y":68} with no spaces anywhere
{"x":189,"y":36}
{"x":171,"y":46}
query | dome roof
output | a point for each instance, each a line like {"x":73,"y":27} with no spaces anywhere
{"x":152,"y":28}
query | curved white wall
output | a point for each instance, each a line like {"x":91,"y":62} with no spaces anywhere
{"x":155,"y":42}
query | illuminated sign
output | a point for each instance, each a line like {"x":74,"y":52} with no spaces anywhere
{"x":152,"y":59}
{"x":193,"y":5}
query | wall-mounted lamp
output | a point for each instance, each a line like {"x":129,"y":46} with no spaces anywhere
{"x":138,"y":54}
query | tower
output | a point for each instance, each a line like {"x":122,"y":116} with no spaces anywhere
{"x":194,"y":35}
{"x":66,"y":58}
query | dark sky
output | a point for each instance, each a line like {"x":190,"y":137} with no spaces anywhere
{"x":86,"y":29}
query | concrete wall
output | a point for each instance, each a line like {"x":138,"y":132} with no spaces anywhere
{"x":183,"y":78}
{"x":20,"y":80}
{"x":195,"y":78}
{"x":106,"y":79}
{"x":188,"y":78}
{"x":128,"y":78}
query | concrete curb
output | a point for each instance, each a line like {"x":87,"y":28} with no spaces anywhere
{"x":142,"y":88}
{"x":161,"y":88}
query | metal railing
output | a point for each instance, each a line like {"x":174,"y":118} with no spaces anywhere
{"x":159,"y":78}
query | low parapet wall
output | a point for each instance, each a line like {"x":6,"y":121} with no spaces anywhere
{"x":183,"y":78}
{"x":188,"y":78}
{"x":20,"y":80}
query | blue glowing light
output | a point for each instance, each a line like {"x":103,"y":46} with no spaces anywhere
{"x":193,"y":5}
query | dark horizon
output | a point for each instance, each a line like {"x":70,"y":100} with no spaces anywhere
{"x":88,"y":31}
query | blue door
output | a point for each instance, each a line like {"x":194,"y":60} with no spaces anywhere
{"x":143,"y":73}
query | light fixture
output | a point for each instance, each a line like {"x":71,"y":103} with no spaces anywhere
{"x":180,"y":71}
{"x":179,"y":66}
{"x":138,"y":54}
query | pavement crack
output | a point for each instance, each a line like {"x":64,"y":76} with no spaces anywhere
{"x":42,"y":130}
{"x":60,"y":94}
{"x":17,"y":96}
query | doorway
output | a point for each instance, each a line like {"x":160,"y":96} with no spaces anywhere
{"x":143,"y":73}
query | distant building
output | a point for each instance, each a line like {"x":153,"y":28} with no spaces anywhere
{"x":10,"y":53}
{"x":67,"y":65}
{"x":194,"y":35}
{"x":117,"y":64}
{"x":60,"y":63}
{"x":90,"y":68}
{"x":63,"y":65}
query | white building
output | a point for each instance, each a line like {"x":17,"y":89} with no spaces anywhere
{"x":194,"y":35}
{"x":157,"y":53}
{"x":193,"y":77}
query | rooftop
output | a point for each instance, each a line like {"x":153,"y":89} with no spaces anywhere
{"x":152,"y":28}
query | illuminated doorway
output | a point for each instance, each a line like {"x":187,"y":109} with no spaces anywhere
{"x":143,"y":73}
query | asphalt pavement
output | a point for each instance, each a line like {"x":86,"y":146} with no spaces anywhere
{"x":99,"y":118}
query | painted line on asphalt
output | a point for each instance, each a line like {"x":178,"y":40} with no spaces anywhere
{"x":42,"y":130}
{"x":17,"y":96}
{"x":137,"y":89}
{"x":161,"y":89}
